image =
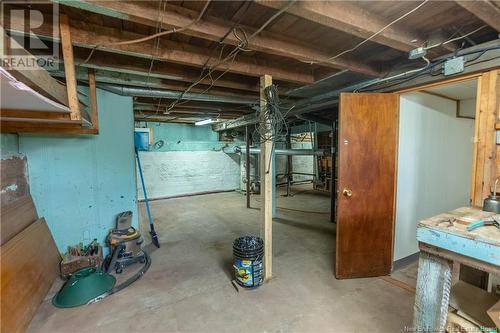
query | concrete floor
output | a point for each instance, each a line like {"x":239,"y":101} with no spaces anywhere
{"x":188,"y":288}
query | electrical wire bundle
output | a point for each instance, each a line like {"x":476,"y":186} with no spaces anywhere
{"x":273,"y":125}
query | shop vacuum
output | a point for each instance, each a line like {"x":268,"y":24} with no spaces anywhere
{"x":125,"y":244}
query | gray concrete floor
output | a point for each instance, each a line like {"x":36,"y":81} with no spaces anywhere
{"x":188,"y":288}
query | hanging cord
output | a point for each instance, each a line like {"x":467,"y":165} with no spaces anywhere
{"x":273,"y":125}
{"x":146,"y":38}
{"x":456,"y":38}
{"x":241,"y":46}
{"x":427,"y":64}
{"x":369,"y":38}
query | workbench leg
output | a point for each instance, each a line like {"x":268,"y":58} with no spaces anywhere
{"x":433,"y":293}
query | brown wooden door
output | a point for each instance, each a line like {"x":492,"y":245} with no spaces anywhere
{"x":367,"y":143}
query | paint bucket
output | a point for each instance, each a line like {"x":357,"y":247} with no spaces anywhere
{"x":248,"y":255}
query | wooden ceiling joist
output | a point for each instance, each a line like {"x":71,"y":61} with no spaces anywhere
{"x":90,"y":35}
{"x":154,"y":109}
{"x":112,"y":62}
{"x":160,"y":70}
{"x":103,"y":76}
{"x":216,"y":29}
{"x":352,"y":19}
{"x":11,"y":113}
{"x":485,"y":10}
{"x":190,"y":105}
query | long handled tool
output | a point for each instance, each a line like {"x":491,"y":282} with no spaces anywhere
{"x":152,"y":232}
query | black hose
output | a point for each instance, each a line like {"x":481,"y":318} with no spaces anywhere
{"x":126,"y":283}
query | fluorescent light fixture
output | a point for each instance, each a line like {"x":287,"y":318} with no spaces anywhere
{"x":204,"y":122}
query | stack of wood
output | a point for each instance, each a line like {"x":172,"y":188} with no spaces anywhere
{"x":29,"y":256}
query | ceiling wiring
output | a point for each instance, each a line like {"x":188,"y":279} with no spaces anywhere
{"x":153,"y":36}
{"x":370,"y":37}
{"x":241,"y":46}
{"x":430,"y":67}
{"x":456,"y":38}
{"x":201,"y":76}
{"x":427,"y":64}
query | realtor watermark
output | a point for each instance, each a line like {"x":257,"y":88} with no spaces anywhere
{"x":24,"y":25}
{"x":451,"y":329}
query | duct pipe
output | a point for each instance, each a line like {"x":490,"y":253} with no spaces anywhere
{"x":146,"y":92}
{"x":293,"y":152}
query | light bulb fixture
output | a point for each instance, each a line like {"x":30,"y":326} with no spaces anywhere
{"x":204,"y":122}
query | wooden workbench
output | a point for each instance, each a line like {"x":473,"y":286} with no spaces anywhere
{"x":444,"y":240}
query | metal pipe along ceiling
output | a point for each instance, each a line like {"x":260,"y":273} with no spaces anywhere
{"x":145,"y":92}
{"x":296,"y":152}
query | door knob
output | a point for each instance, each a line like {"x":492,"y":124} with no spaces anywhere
{"x":347,"y":192}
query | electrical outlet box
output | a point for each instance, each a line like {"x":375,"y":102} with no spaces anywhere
{"x":453,"y":66}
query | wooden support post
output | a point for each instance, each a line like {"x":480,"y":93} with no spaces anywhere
{"x":289,"y":166}
{"x":94,"y":118}
{"x":266,"y":182}
{"x":247,"y":164}
{"x":433,"y":293}
{"x":485,"y":148}
{"x":69,"y":67}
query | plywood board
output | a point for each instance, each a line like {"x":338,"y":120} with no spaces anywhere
{"x":16,"y":216}
{"x":29,"y":264}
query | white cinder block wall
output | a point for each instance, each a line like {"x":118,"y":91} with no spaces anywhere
{"x":434,"y":164}
{"x":171,"y":173}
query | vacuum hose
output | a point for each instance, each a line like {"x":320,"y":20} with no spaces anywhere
{"x":126,"y":283}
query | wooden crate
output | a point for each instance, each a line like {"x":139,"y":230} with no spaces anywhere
{"x":70,"y":265}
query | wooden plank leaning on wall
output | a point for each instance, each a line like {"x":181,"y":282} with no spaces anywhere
{"x":486,"y":166}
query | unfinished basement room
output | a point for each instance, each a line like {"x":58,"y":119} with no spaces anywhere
{"x":287,"y":166}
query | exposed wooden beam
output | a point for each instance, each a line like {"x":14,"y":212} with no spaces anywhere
{"x":192,"y":105}
{"x":352,"y":19}
{"x":13,"y":113}
{"x":140,"y":66}
{"x":187,"y":114}
{"x":153,"y":110}
{"x":40,"y":125}
{"x":485,"y":10}
{"x":89,"y":35}
{"x":215,"y":29}
{"x":103,"y":76}
{"x":69,"y":67}
{"x":94,"y":115}
{"x":155,"y":107}
{"x":266,"y":181}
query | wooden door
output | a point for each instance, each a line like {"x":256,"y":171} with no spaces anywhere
{"x":367,"y":143}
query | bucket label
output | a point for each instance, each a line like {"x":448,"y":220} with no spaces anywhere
{"x":247,"y":272}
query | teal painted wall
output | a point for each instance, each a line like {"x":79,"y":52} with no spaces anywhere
{"x":80,"y":183}
{"x":9,"y":143}
{"x":184,"y":137}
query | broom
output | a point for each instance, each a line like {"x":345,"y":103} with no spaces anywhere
{"x":152,"y":232}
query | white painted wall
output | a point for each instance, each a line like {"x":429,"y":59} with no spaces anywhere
{"x":468,"y":107}
{"x":173,"y":173}
{"x":434,"y":164}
